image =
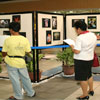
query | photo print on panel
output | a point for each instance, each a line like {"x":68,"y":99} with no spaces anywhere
{"x":54,"y":22}
{"x":23,"y":33}
{"x":46,"y":23}
{"x":92,"y":22}
{"x":56,"y":36}
{"x":16,"y":18}
{"x":75,"y":20}
{"x":98,"y":35}
{"x":8,"y":33}
{"x":48,"y":37}
{"x":4,"y":23}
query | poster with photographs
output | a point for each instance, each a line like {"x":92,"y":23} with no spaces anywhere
{"x":4,"y":23}
{"x":56,"y":36}
{"x":54,"y":22}
{"x":46,"y":23}
{"x":48,"y":37}
{"x":92,"y":22}
{"x":16,"y":18}
{"x":98,"y":35}
{"x":75,"y":20}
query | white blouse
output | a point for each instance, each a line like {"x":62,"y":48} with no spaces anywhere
{"x":86,"y":44}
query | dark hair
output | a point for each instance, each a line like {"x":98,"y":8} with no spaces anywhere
{"x":15,"y":26}
{"x":80,"y":24}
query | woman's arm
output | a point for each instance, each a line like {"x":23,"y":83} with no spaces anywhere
{"x":75,"y":51}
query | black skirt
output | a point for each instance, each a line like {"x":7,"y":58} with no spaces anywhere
{"x":83,"y":69}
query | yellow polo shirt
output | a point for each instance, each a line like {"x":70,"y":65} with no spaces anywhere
{"x":16,"y":46}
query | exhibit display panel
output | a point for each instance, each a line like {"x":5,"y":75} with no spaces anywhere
{"x":50,"y":29}
{"x":26,"y":21}
{"x":92,"y":20}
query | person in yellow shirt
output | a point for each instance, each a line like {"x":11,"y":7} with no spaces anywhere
{"x":14,"y":49}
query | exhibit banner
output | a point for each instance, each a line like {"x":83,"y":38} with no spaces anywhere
{"x":92,"y":21}
{"x":50,"y":29}
{"x":26,"y":20}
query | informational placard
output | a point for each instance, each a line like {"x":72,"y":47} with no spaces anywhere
{"x":50,"y":29}
{"x":92,"y":21}
{"x":25,"y":20}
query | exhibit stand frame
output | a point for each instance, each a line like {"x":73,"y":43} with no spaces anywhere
{"x":51,"y":30}
{"x":41,"y":31}
{"x":41,"y":42}
{"x":24,"y":18}
{"x":35,"y":47}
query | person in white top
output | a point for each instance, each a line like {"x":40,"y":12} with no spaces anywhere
{"x":83,"y":58}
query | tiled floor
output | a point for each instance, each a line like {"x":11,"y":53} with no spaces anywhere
{"x":57,"y":88}
{"x":79,"y":92}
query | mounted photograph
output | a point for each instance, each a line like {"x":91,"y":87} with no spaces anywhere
{"x":16,"y":18}
{"x":75,"y":20}
{"x":48,"y":37}
{"x":98,"y":35}
{"x":46,"y":23}
{"x":4,"y":23}
{"x":54,"y":22}
{"x":56,"y":36}
{"x":92,"y":22}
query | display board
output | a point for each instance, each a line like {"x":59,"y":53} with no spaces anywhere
{"x":50,"y":29}
{"x":92,"y":20}
{"x":26,"y":21}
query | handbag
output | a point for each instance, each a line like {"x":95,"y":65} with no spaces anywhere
{"x":95,"y":61}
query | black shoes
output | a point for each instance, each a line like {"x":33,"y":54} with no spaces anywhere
{"x":84,"y":98}
{"x":91,"y":93}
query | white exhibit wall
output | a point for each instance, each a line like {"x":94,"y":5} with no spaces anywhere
{"x":42,"y":31}
{"x":70,"y":32}
{"x":26,"y":24}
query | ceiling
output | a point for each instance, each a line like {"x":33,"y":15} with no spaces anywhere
{"x":14,"y":1}
{"x":46,"y":5}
